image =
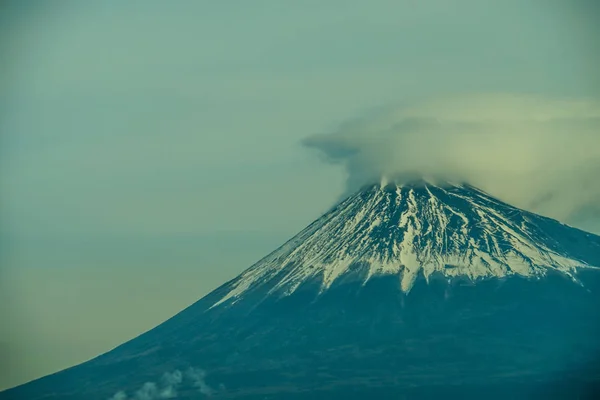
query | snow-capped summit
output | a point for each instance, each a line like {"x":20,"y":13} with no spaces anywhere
{"x":412,"y":230}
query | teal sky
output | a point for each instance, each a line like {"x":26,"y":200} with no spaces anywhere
{"x":151,"y":150}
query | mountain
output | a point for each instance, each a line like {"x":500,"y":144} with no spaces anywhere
{"x":409,"y":291}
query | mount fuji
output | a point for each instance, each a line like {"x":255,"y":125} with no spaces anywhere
{"x":401,"y":291}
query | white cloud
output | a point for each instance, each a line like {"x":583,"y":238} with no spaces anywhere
{"x":171,"y":382}
{"x":537,"y":153}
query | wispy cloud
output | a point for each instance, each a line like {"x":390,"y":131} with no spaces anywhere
{"x":169,"y":386}
{"x":537,"y":153}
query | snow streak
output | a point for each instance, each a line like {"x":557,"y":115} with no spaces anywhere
{"x":412,"y":230}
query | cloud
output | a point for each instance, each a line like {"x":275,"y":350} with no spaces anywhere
{"x":537,"y":153}
{"x":170,"y":384}
{"x":197,"y":376}
{"x":171,"y":381}
{"x":120,"y":395}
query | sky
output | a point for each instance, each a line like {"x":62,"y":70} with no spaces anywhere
{"x":150,"y":151}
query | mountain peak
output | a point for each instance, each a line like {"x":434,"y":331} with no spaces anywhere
{"x":414,"y":180}
{"x":415,"y":229}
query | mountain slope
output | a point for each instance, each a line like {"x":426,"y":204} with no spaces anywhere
{"x":421,"y":229}
{"x":413,"y":290}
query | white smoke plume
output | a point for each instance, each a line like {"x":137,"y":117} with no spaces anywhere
{"x":170,"y":383}
{"x":539,"y":154}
